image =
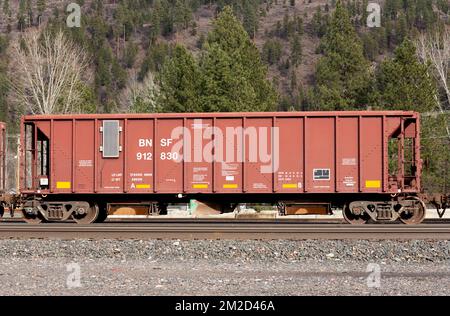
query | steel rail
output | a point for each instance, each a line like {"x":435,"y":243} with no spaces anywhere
{"x":222,"y":230}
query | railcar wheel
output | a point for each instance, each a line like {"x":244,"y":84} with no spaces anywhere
{"x":353,"y":218}
{"x":103,"y":214}
{"x":85,"y":216}
{"x":33,"y":219}
{"x":415,"y":214}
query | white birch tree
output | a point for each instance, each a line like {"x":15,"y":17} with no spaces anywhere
{"x":46,"y":72}
{"x":434,"y":49}
{"x":140,"y":97}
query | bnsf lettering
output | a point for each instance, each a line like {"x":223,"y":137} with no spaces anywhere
{"x":166,"y":142}
{"x":145,"y":143}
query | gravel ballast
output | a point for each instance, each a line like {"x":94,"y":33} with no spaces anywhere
{"x":221,"y":267}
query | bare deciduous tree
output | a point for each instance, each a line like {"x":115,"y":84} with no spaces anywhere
{"x":434,"y":48}
{"x":140,"y":97}
{"x":47,"y":70}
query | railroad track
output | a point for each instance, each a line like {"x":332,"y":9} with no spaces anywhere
{"x":224,"y":230}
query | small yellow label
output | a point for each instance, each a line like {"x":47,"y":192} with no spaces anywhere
{"x":373,"y":184}
{"x":63,"y":185}
{"x":142,"y":186}
{"x":230,"y":186}
{"x":200,"y":186}
{"x":290,"y":186}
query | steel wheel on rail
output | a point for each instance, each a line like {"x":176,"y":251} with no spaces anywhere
{"x":33,"y":219}
{"x":85,"y":216}
{"x":418,"y":214}
{"x":103,"y":213}
{"x":353,"y":218}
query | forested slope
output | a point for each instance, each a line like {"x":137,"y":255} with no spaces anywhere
{"x":230,"y":55}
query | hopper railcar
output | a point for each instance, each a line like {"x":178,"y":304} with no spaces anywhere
{"x":366,"y":162}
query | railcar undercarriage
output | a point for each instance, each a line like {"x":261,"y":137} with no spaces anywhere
{"x":408,"y":210}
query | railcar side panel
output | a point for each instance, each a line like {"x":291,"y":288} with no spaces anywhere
{"x":320,"y":154}
{"x":371,"y":155}
{"x":198,"y":142}
{"x":289,"y":177}
{"x":110,"y":165}
{"x":229,"y":157}
{"x":347,"y":162}
{"x":84,"y":156}
{"x":139,"y":146}
{"x":258,"y":166}
{"x":169,"y":169}
{"x":61,"y":156}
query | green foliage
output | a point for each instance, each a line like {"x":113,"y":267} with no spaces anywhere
{"x":247,"y":11}
{"x":179,"y":82}
{"x":371,"y":47}
{"x":289,"y":27}
{"x":435,"y":153}
{"x":154,"y":60}
{"x":130,"y":54}
{"x":342,"y":74}
{"x":296,"y":51}
{"x":6,"y":8}
{"x":403,"y":83}
{"x":230,"y":41}
{"x":146,"y":99}
{"x":444,"y":6}
{"x":230,"y":75}
{"x":41,"y":5}
{"x":89,"y":99}
{"x":319,"y":23}
{"x":21,"y":16}
{"x":4,"y":82}
{"x":272,"y":50}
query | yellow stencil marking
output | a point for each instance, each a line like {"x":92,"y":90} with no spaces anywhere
{"x":373,"y":184}
{"x":200,"y":186}
{"x":63,"y":185}
{"x":230,"y":186}
{"x":142,"y":186}
{"x":290,"y":186}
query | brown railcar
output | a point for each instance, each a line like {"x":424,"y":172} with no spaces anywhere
{"x":367,"y":162}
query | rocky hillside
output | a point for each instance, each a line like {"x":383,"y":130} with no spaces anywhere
{"x":133,"y":34}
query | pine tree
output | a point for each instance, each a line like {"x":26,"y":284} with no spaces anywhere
{"x":224,"y":87}
{"x":250,"y":13}
{"x":403,"y":83}
{"x":244,"y":75}
{"x":342,"y":74}
{"x":130,"y":54}
{"x":41,"y":6}
{"x":29,"y":11}
{"x":271,"y":51}
{"x":155,"y":18}
{"x":21,"y":15}
{"x":319,"y":23}
{"x":296,"y":51}
{"x":5,"y":6}
{"x":402,"y":29}
{"x":4,"y":81}
{"x":182,"y":15}
{"x":179,"y":82}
